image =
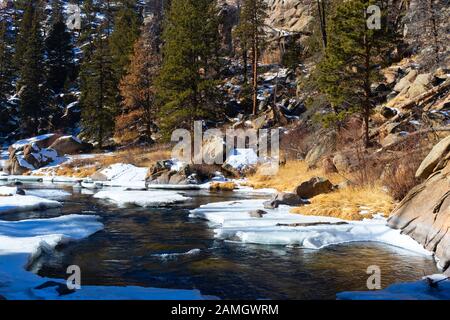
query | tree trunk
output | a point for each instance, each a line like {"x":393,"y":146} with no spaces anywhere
{"x":245,"y":61}
{"x":323,"y":23}
{"x":255,"y":75}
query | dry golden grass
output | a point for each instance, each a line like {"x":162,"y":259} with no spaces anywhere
{"x":348,"y":204}
{"x":83,"y":168}
{"x":136,"y":156}
{"x":222,"y":186}
{"x":289,"y":177}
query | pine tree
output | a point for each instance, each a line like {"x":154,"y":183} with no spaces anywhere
{"x":127,"y":25}
{"x":30,"y":73}
{"x":88,"y":27}
{"x":7,"y":110}
{"x":251,"y":35}
{"x":352,"y":59}
{"x":186,"y":84}
{"x":59,"y":50}
{"x":24,"y":26}
{"x":6,"y":67}
{"x":136,"y":122}
{"x":98,"y":92}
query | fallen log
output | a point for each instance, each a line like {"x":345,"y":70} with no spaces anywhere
{"x":312,"y":224}
{"x":423,"y":98}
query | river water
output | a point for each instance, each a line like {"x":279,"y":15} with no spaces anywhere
{"x":165,"y":248}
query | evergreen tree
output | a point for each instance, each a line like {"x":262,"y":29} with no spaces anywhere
{"x":127,"y":25}
{"x":98,"y":92}
{"x":24,"y":26}
{"x":136,"y":122}
{"x":31,"y":76}
{"x":59,"y":50}
{"x":251,"y":35}
{"x":186,"y":84}
{"x":6,"y":67}
{"x":353,"y":56}
{"x":7,"y":110}
{"x":89,"y":26}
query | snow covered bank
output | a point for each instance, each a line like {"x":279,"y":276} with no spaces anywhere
{"x":18,"y":203}
{"x":141,"y":198}
{"x":279,"y":227}
{"x":24,"y":239}
{"x":123,"y":175}
{"x":419,"y":290}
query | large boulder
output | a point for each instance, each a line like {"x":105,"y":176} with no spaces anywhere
{"x":343,"y":162}
{"x":69,"y":145}
{"x":436,"y":155}
{"x":42,"y":141}
{"x":424,"y":215}
{"x":314,"y":187}
{"x":167,"y":172}
{"x":29,"y":157}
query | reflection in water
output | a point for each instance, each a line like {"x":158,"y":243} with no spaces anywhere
{"x":133,"y":248}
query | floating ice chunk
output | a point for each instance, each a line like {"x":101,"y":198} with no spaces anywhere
{"x":141,"y":198}
{"x":419,"y":290}
{"x":17,"y":203}
{"x":53,"y":194}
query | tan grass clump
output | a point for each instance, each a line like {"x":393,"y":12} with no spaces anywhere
{"x":350,"y":203}
{"x":290,"y":176}
{"x":222,"y":186}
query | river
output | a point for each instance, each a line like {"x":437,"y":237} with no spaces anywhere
{"x":165,"y":248}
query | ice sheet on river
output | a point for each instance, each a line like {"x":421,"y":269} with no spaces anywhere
{"x":233,"y":222}
{"x":151,"y":198}
{"x":419,"y":290}
{"x":22,"y":240}
{"x":18,"y":203}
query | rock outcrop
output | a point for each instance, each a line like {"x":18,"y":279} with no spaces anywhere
{"x":424,"y":214}
{"x":435,"y":160}
{"x":30,"y":157}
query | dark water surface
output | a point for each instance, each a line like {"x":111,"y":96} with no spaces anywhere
{"x":132,"y":250}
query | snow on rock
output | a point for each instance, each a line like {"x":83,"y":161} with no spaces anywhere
{"x":419,"y":290}
{"x":141,"y":198}
{"x":18,"y":203}
{"x":21,"y":240}
{"x":233,"y":222}
{"x":241,"y":159}
{"x":124,"y":175}
{"x":22,"y":143}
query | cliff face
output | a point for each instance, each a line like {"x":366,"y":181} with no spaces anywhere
{"x":425,"y":212}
